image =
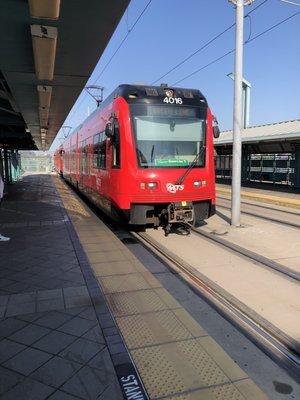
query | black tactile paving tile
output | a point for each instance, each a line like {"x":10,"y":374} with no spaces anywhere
{"x":111,"y":392}
{"x":36,"y":275}
{"x":60,"y":395}
{"x":77,"y":326}
{"x":9,"y":349}
{"x":9,"y":326}
{"x":21,"y":308}
{"x":27,"y":361}
{"x":88,"y":313}
{"x":50,"y":304}
{"x":88,"y":383}
{"x":94,"y":335}
{"x":28,"y":389}
{"x":29,"y":317}
{"x":53,"y":319}
{"x":54,"y":342}
{"x":8,"y":379}
{"x":81,"y":351}
{"x":101,"y":361}
{"x":30,"y":334}
{"x":56,"y":371}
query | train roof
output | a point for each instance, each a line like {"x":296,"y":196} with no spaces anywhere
{"x":135,"y":92}
{"x":138,"y":93}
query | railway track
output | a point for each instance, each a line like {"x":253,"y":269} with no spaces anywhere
{"x":264,"y":261}
{"x":269,"y":338}
{"x":275,"y":343}
{"x":264,"y":217}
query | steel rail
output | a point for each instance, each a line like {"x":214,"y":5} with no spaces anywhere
{"x":275,"y":220}
{"x":265,"y":335}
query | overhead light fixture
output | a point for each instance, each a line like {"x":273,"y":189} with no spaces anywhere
{"x":44,"y":93}
{"x":44,"y":47}
{"x":48,"y":9}
{"x":43,"y":133}
{"x":44,"y":116}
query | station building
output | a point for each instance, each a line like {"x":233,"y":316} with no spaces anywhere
{"x":270,"y":154}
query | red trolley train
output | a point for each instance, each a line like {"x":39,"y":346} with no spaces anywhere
{"x":145,"y":156}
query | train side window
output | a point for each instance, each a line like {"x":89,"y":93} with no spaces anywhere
{"x":99,"y":151}
{"x":95,"y":150}
{"x":102,"y":155}
{"x":73,"y":158}
{"x":116,"y":146}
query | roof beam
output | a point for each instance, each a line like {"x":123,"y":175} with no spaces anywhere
{"x":11,"y":120}
{"x":7,"y":96}
{"x":9,"y":111}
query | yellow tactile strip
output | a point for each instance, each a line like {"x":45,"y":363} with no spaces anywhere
{"x":140,"y":301}
{"x":174,"y":355}
{"x":238,"y":391}
{"x":128,"y":282}
{"x":189,"y":365}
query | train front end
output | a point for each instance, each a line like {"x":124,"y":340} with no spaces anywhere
{"x":170,"y":163}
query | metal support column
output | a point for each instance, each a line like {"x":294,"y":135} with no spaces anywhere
{"x":6,"y":166}
{"x":2,"y":163}
{"x":15,"y":167}
{"x":237,"y":116}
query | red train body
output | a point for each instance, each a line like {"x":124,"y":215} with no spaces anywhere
{"x":145,"y":155}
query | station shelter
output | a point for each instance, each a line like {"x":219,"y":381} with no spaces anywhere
{"x":49,"y":50}
{"x":270,"y":154}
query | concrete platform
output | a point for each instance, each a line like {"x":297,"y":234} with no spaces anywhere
{"x":51,"y":342}
{"x":78,"y":305}
{"x":174,"y":355}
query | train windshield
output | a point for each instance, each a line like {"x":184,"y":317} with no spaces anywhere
{"x":169,"y":136}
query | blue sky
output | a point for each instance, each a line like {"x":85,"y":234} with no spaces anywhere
{"x":170,"y":30}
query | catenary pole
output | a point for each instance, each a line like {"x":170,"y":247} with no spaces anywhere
{"x":237,"y":114}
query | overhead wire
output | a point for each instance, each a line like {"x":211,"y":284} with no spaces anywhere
{"x":250,"y":27}
{"x":129,"y":30}
{"x":249,"y":40}
{"x":203,"y":47}
{"x":193,"y":54}
{"x":273,"y":27}
{"x":122,"y":42}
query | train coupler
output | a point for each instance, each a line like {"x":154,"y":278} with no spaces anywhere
{"x":179,"y":215}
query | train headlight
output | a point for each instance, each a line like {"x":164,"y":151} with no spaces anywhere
{"x":148,"y":185}
{"x":197,"y":184}
{"x":152,"y":185}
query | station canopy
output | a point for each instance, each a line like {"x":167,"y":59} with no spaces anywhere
{"x":279,"y":137}
{"x":48,"y":50}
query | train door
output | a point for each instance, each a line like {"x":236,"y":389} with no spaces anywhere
{"x":115,"y":159}
{"x":83,"y":164}
{"x":100,"y":167}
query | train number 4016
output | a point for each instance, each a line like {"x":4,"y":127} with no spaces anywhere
{"x":173,"y":100}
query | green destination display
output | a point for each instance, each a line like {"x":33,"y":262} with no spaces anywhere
{"x":171,"y":162}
